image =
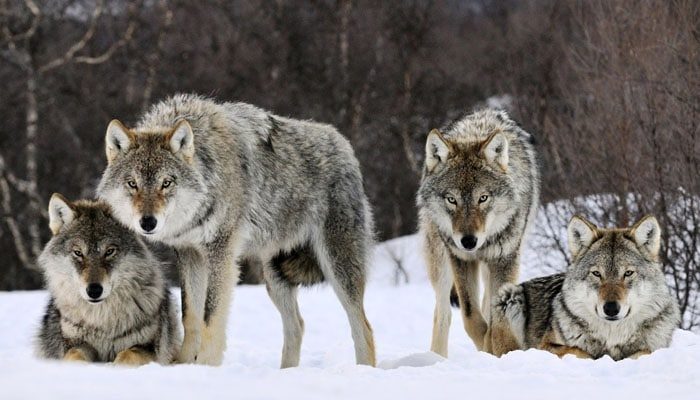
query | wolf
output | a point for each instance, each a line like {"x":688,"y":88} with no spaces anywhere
{"x":613,"y":299}
{"x":226,"y":183}
{"x":109,"y":301}
{"x":479,"y":191}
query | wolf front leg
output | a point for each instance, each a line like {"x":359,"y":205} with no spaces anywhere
{"x":223,"y":275}
{"x":499,"y":339}
{"x":466,"y":276}
{"x":440,"y":275}
{"x":194,"y":277}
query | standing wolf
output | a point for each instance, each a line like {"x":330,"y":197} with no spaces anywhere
{"x":109,"y":300}
{"x":480,"y":189}
{"x":612,"y":300}
{"x":223,"y":182}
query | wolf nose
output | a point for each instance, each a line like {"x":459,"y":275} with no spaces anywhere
{"x":469,"y":241}
{"x":148,"y":223}
{"x":611,"y":308}
{"x":94,"y":290}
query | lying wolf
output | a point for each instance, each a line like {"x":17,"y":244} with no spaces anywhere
{"x":612,"y":300}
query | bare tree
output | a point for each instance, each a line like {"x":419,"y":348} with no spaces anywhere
{"x":18,"y":49}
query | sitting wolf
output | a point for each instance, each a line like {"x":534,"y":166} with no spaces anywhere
{"x":226,"y":182}
{"x":109,"y":299}
{"x":612,"y":300}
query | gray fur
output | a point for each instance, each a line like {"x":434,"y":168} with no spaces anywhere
{"x":284,"y":192}
{"x":135,"y":311}
{"x":483,"y":154}
{"x":564,"y":310}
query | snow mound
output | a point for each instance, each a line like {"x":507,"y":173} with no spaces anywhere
{"x":425,"y":359}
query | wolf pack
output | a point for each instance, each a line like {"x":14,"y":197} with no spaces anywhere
{"x":226,"y":184}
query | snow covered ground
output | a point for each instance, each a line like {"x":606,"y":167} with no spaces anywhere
{"x":401,"y":317}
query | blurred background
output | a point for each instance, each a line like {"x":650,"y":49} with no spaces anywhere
{"x":610,"y":90}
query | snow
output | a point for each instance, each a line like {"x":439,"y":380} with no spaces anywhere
{"x":402,"y":320}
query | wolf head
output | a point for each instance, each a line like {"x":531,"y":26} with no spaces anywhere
{"x":466,"y":190}
{"x":614,"y":273}
{"x":149,"y":180}
{"x":90,"y":254}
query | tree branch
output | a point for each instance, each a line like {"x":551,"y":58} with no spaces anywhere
{"x":77,"y":46}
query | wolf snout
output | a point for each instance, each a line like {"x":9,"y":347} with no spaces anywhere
{"x":148,"y":223}
{"x":469,"y":241}
{"x":611,"y":309}
{"x":94,"y":291}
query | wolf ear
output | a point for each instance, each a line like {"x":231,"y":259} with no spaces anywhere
{"x":118,"y":139}
{"x":647,"y":235}
{"x":181,"y":140}
{"x":581,"y":234}
{"x":495,"y":149}
{"x":60,"y":213}
{"x":437,"y":149}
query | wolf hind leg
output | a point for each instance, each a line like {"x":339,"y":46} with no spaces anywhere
{"x":284,"y":297}
{"x":342,"y":259}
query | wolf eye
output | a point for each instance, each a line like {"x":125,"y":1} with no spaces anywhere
{"x":78,"y":253}
{"x":450,"y":199}
{"x":629,"y":273}
{"x":167,"y":183}
{"x":483,"y":198}
{"x":110,"y":252}
{"x":132,"y":184}
{"x":596,"y":274}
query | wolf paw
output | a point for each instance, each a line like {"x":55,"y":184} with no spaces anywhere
{"x":133,"y":358}
{"x":189,"y":350}
{"x":75,"y":355}
{"x":510,"y":304}
{"x":510,"y":299}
